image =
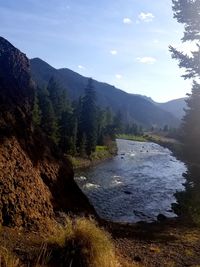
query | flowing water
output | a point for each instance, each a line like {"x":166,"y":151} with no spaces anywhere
{"x":136,"y":185}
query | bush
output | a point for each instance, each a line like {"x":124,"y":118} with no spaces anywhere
{"x":82,"y":243}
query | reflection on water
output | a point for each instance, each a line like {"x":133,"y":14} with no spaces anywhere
{"x":188,"y":201}
{"x":138,"y":184}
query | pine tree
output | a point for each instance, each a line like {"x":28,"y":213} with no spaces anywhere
{"x":48,"y":118}
{"x":109,"y":116}
{"x":63,"y":115}
{"x":36,"y":114}
{"x":134,"y":129}
{"x":187,"y":12}
{"x":88,"y":125}
{"x":101,"y":125}
{"x":82,"y":146}
{"x":56,"y":97}
{"x":191,"y":125}
{"x":117,"y":121}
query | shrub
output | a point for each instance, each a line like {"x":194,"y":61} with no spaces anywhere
{"x":82,"y":243}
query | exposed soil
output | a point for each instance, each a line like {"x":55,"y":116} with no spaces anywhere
{"x":36,"y":180}
{"x":164,"y":244}
{"x":169,"y":243}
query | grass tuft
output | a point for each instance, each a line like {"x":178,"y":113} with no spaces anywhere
{"x":82,"y":243}
{"x":7,"y":259}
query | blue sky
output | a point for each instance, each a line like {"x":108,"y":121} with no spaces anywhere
{"x":122,"y":42}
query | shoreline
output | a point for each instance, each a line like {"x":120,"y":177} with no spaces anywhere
{"x":101,"y":154}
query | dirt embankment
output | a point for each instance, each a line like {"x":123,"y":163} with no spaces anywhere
{"x":35,"y":180}
{"x":170,"y":243}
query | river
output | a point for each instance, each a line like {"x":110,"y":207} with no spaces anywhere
{"x":136,"y":185}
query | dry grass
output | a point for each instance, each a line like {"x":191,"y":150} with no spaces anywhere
{"x":82,"y":238}
{"x":81,"y":242}
{"x":7,"y":259}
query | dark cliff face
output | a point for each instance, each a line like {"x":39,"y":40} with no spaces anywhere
{"x":16,"y":88}
{"x":34,"y":181}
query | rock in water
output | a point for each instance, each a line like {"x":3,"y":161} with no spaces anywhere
{"x":161,"y":217}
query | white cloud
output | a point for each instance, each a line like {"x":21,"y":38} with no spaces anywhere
{"x":113,"y":52}
{"x":81,"y":67}
{"x":127,"y":21}
{"x":146,"y":17}
{"x":118,"y":76}
{"x":146,"y":60}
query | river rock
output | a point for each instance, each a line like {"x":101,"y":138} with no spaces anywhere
{"x":127,"y":192}
{"x":161,"y":217}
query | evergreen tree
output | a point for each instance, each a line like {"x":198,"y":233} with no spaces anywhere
{"x":63,"y":114}
{"x":109,"y":116}
{"x":109,"y":130}
{"x":117,"y":121}
{"x":191,"y":124}
{"x":82,"y":146}
{"x":88,"y":125}
{"x":57,"y":96}
{"x":74,"y":136}
{"x":48,"y":118}
{"x":64,"y":132}
{"x":187,"y":12}
{"x":36,"y":115}
{"x":166,"y":128}
{"x":101,"y":125}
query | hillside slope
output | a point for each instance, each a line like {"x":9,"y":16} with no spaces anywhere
{"x":35,"y":181}
{"x":175,"y":107}
{"x":133,"y":107}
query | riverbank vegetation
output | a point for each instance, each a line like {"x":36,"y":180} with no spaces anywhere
{"x":80,"y":129}
{"x":75,"y":128}
{"x":139,"y":138}
{"x":100,"y":154}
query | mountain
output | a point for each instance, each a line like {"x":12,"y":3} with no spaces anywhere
{"x":135,"y":108}
{"x":175,"y":107}
{"x":35,"y":180}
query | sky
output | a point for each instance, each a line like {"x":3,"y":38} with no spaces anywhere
{"x":121,"y":42}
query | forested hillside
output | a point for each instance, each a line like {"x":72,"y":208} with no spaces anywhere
{"x":135,"y":108}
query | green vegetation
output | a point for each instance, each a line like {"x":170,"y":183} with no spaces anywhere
{"x":139,"y":138}
{"x":187,"y":13}
{"x":188,"y":203}
{"x":88,"y":118}
{"x":134,"y":108}
{"x":100,"y":153}
{"x":76,"y":127}
{"x":80,"y":128}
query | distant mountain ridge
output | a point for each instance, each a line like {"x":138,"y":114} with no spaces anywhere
{"x":135,"y":108}
{"x":175,"y":107}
